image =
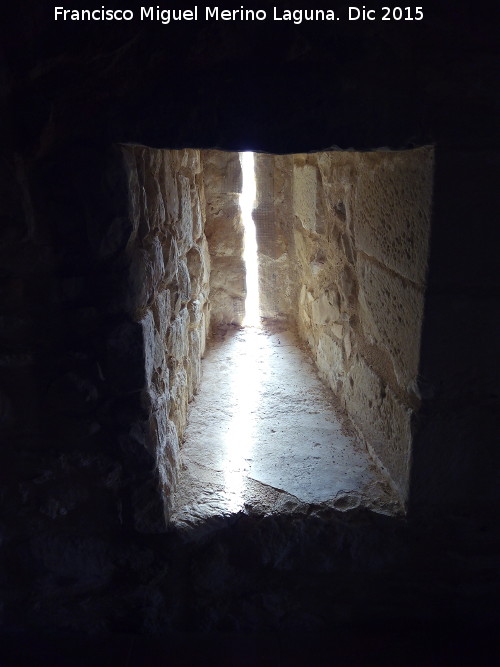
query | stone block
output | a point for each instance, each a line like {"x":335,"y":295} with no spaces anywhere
{"x":162,"y":311}
{"x":195,"y":309}
{"x":393,"y":208}
{"x":390,"y":312}
{"x":329,"y":361}
{"x":155,"y":252}
{"x":190,"y":160}
{"x":167,"y":460}
{"x":194,"y":366}
{"x":304,"y":195}
{"x":276,"y":293}
{"x":196,"y":264}
{"x":177,"y":339}
{"x":382,"y":419}
{"x":221,"y":172}
{"x":183,"y":282}
{"x":155,"y":395}
{"x":155,"y":203}
{"x":347,"y":345}
{"x":228,"y":273}
{"x":170,"y":258}
{"x":224,"y":229}
{"x":179,"y":399}
{"x":325,"y":309}
{"x":183,"y":228}
{"x":226,"y":308}
{"x":198,"y":222}
{"x":337,"y":330}
{"x":169,"y":188}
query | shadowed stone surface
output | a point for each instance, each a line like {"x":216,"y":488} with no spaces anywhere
{"x":81,"y":522}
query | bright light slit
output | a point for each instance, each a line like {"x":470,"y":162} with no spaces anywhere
{"x":247,"y":199}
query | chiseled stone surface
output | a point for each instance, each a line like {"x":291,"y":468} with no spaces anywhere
{"x":222,"y":180}
{"x":168,"y":295}
{"x":360,"y":244}
{"x":392,"y":205}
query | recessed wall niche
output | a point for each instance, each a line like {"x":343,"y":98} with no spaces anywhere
{"x":343,"y":241}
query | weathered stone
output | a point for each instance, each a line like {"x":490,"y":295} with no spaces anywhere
{"x":183,"y":229}
{"x":170,"y":259}
{"x":391,"y":311}
{"x":337,"y":330}
{"x":169,"y":188}
{"x":184,"y":282}
{"x":275,"y":290}
{"x":156,"y":208}
{"x":198,"y":222}
{"x":195,"y":309}
{"x":325,"y":309}
{"x":155,"y":395}
{"x":384,"y":422}
{"x":304,"y":195}
{"x":194,"y":368}
{"x":347,"y":345}
{"x":330,"y":362}
{"x":162,"y":310}
{"x":227,"y":289}
{"x":222,"y":172}
{"x":374,"y":225}
{"x":224,"y":229}
{"x":156,"y":259}
{"x":392,"y":209}
{"x":177,"y":343}
{"x":179,"y":399}
{"x":196,"y":270}
{"x":228,"y":273}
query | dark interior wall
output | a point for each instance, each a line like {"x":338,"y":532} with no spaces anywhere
{"x":456,"y":458}
{"x":69,"y":93}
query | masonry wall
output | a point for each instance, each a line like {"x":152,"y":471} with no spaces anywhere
{"x":274,"y":235}
{"x":222,"y":180}
{"x":344,"y":245}
{"x":167,"y":296}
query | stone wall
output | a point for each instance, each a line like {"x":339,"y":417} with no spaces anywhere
{"x":272,"y":216}
{"x":343,"y":245}
{"x":224,"y":231}
{"x":361,"y":225}
{"x":166,"y":296}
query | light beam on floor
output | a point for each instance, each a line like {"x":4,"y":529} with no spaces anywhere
{"x":248,"y":370}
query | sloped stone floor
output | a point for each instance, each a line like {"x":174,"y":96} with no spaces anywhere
{"x":264,"y":435}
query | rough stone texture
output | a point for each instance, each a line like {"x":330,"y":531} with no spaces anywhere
{"x":360,"y":245}
{"x":383,"y":420}
{"x":167,"y":295}
{"x":79,"y":492}
{"x":222,"y":179}
{"x":394,"y":228}
{"x":272,"y":225}
{"x":343,"y":244}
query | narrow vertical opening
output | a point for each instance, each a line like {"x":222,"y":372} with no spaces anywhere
{"x":247,"y":202}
